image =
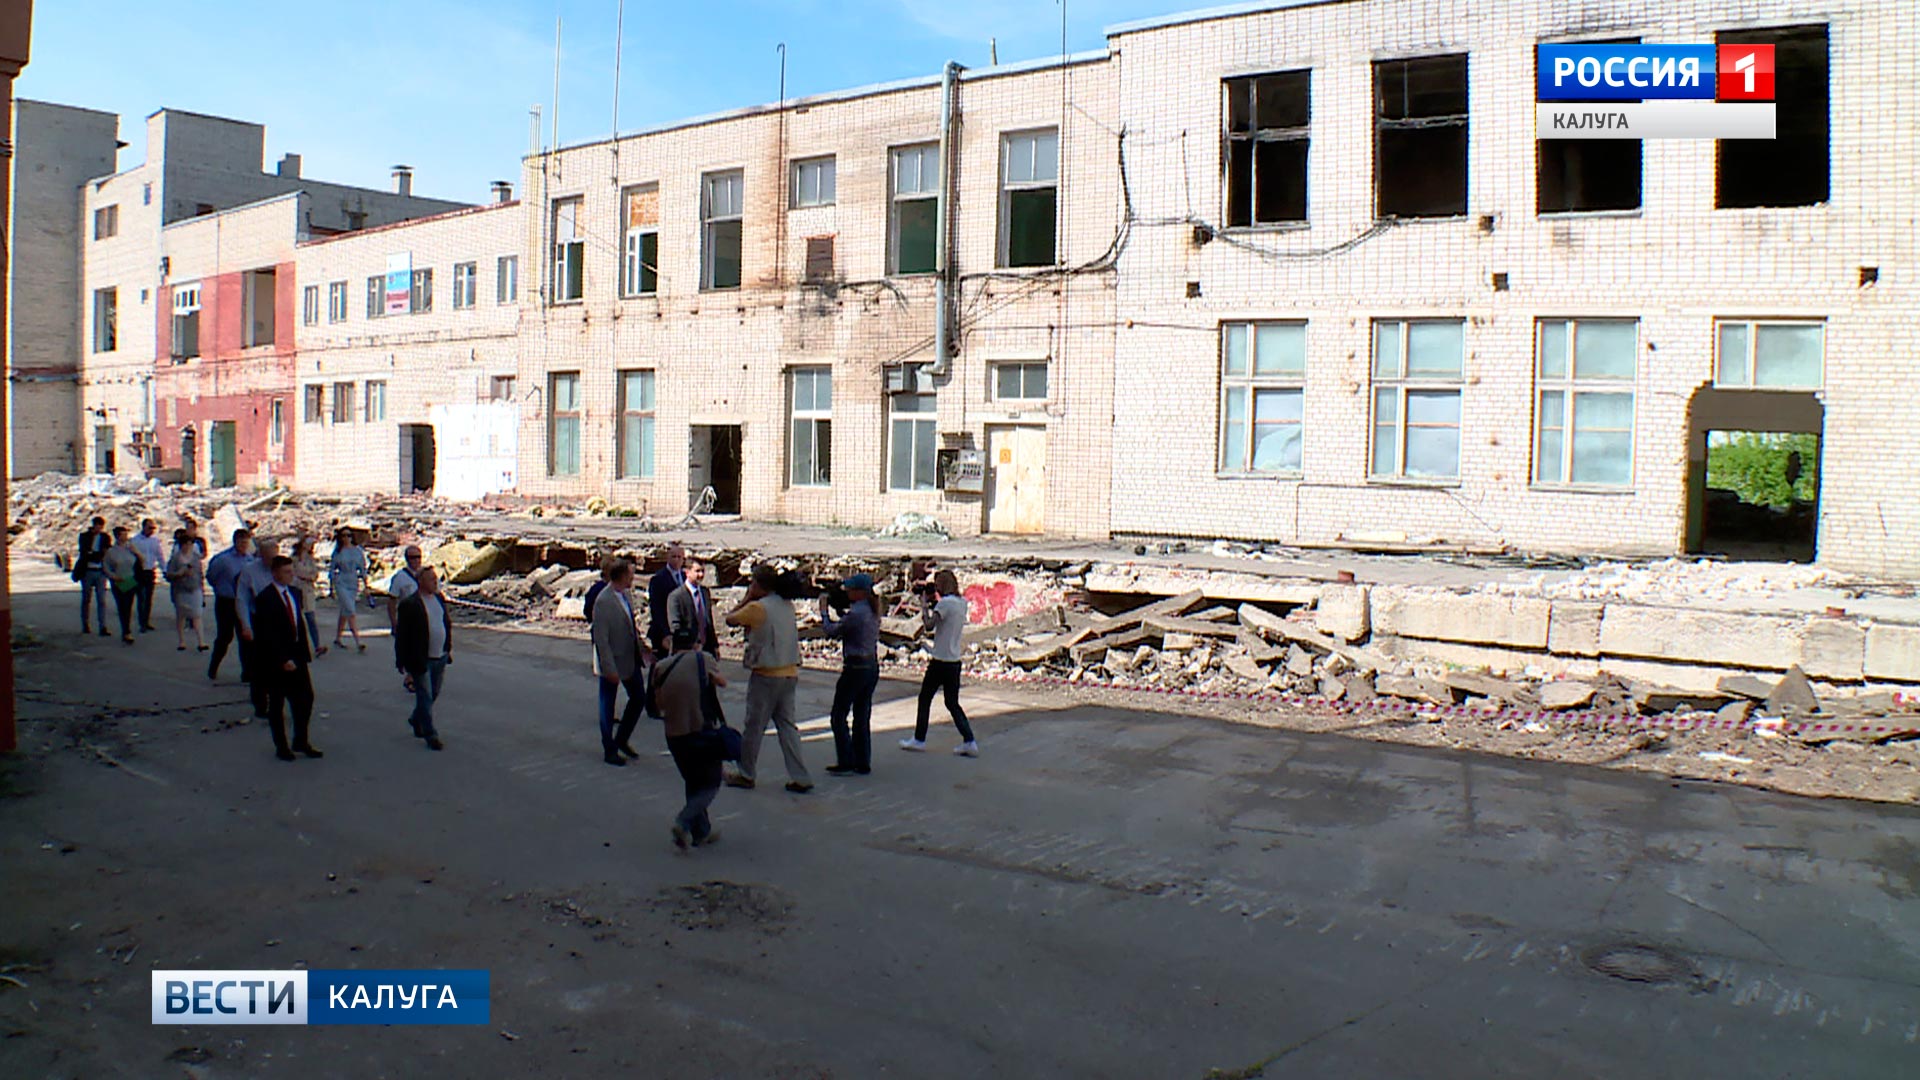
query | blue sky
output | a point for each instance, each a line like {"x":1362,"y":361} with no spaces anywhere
{"x":445,"y":85}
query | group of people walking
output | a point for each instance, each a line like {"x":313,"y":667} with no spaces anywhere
{"x":672,"y":673}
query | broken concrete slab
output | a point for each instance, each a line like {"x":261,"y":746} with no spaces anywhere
{"x":1573,"y":628}
{"x":1217,"y":585}
{"x":1343,"y":612}
{"x":1834,"y":649}
{"x":1734,"y":713}
{"x":1793,"y":697}
{"x":1177,"y":642}
{"x":1168,"y":624}
{"x":1566,"y":694}
{"x":1360,"y":688}
{"x":1245,"y":668}
{"x":1726,"y":639}
{"x":895,"y":631}
{"x":1746,"y":686}
{"x":1332,"y":689}
{"x":571,"y":607}
{"x":1485,"y":619}
{"x":462,"y":562}
{"x":1488,"y":686}
{"x":1410,"y":688}
{"x":1893,"y":652}
{"x":1277,"y":629}
{"x":1050,"y":619}
{"x":1654,"y":699}
{"x":1299,"y":661}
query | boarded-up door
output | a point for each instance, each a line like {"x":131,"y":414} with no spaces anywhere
{"x":1017,"y":480}
{"x":222,"y":454}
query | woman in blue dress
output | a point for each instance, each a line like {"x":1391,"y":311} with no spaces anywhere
{"x":347,"y":572}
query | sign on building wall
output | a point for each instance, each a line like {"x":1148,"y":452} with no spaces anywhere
{"x":399,"y":284}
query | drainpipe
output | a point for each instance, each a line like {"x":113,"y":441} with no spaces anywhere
{"x":942,"y":235}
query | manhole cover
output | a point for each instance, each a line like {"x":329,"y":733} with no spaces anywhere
{"x":1640,"y":963}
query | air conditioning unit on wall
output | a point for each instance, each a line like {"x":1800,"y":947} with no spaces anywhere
{"x":909,"y":379}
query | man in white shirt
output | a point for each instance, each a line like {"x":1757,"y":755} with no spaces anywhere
{"x":947,"y":618}
{"x":152,"y":558}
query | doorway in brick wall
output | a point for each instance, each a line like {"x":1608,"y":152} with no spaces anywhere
{"x":189,"y":455}
{"x":714,"y":460}
{"x":223,"y":448}
{"x":418,"y":457}
{"x":1753,"y":475}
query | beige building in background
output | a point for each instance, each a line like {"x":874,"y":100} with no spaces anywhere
{"x":422,"y":397}
{"x":748,"y":302}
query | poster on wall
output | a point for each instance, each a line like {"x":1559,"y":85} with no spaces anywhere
{"x":399,"y":284}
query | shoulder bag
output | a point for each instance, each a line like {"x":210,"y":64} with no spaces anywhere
{"x":721,"y":738}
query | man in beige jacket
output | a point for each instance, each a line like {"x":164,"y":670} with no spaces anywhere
{"x":773,"y":660}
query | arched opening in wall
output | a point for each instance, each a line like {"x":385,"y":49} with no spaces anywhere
{"x":1753,"y":474}
{"x":189,"y":455}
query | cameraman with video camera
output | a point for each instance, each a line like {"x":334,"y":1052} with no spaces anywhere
{"x":944,"y":612}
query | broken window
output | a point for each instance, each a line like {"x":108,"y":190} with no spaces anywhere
{"x":1029,"y":189}
{"x":1757,"y":355}
{"x":916,"y":208}
{"x":1417,"y":375}
{"x":337,"y":302}
{"x":1020,"y":382}
{"x":912,"y":442}
{"x":506,"y":283}
{"x":343,"y":403}
{"x":811,"y":452}
{"x":106,"y":320}
{"x":106,"y":222}
{"x":640,"y":267}
{"x":257,"y":296}
{"x":636,"y":425}
{"x":376,"y":296}
{"x":1263,"y":371}
{"x":310,"y":306}
{"x":1793,"y":167}
{"x":813,"y":182}
{"x":569,"y":251}
{"x":316,"y":404}
{"x":1420,"y":150}
{"x":1584,"y":418}
{"x":563,"y":424}
{"x":186,"y":322}
{"x":376,"y":400}
{"x":277,"y":428}
{"x":466,"y":285}
{"x":1267,"y":139}
{"x":501,"y":388}
{"x":420,"y":292}
{"x":721,"y":209}
{"x":1588,"y":175}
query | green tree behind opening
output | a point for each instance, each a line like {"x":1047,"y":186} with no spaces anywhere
{"x":1756,"y":467}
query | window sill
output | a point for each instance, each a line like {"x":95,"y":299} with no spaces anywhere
{"x":1292,"y":477}
{"x":1771,"y":389}
{"x":828,"y":486}
{"x":1268,"y":227}
{"x":1413,"y":482}
{"x":641,"y":296}
{"x":721,"y":290}
{"x":811,"y":206}
{"x":1591,"y":215}
{"x":913,"y":275}
{"x":1437,"y":219}
{"x":576,"y":302}
{"x":1579,"y":489}
{"x":1771,"y":209}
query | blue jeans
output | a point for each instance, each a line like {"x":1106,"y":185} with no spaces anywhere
{"x":854,"y":693}
{"x":93,"y":584}
{"x":426,"y":690}
{"x":610,"y":738}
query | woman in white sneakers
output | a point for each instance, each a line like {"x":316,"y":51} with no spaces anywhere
{"x":947,"y":618}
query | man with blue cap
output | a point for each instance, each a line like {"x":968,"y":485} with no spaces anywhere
{"x":859,"y":634}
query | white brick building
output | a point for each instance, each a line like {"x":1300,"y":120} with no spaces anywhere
{"x":1446,"y":227}
{"x":724,"y":302}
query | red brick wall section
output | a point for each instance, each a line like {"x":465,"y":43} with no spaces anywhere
{"x":229,"y":382}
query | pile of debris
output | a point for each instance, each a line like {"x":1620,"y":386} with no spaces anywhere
{"x":1186,"y":643}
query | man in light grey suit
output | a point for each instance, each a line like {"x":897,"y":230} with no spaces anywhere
{"x":619,"y":659}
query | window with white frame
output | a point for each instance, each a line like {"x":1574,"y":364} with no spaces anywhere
{"x":636,"y":425}
{"x":185,"y":344}
{"x":106,"y":320}
{"x":1584,"y":416}
{"x":106,"y":222}
{"x":640,"y":261}
{"x":375,"y":400}
{"x":277,"y":432}
{"x":563,"y":424}
{"x":337,"y":302}
{"x":376,"y":296}
{"x":569,"y":251}
{"x":315,"y":398}
{"x":343,"y":403}
{"x":1263,"y":371}
{"x":466,"y":285}
{"x":721,"y":210}
{"x":1020,"y":382}
{"x":506,"y":279}
{"x":811,"y":449}
{"x":813,"y":182}
{"x":1417,"y":378}
{"x":1770,"y":354}
{"x":1029,"y":189}
{"x":420,"y":296}
{"x":310,"y":306}
{"x":914,"y":216}
{"x":912,"y":441}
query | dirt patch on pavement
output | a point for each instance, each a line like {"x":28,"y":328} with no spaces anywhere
{"x":727,"y":905}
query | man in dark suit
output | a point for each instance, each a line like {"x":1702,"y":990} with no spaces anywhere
{"x":423,"y":647}
{"x":690,"y":609}
{"x":281,"y":653}
{"x":659,"y":591}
